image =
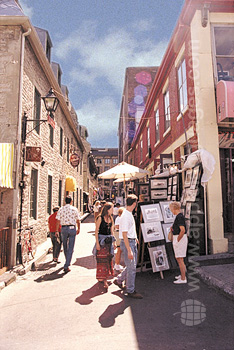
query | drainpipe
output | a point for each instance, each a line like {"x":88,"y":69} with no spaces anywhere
{"x":18,"y":154}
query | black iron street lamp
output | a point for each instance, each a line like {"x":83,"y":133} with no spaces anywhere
{"x":51,"y":103}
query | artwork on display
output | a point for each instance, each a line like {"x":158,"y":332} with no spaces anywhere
{"x":188,"y":210}
{"x":169,"y":190}
{"x":191,"y":195}
{"x":170,"y":181}
{"x":174,"y":180}
{"x":194,"y":178}
{"x":158,"y":194}
{"x":174,"y":189}
{"x":158,"y":183}
{"x":158,"y":258}
{"x":173,"y":198}
{"x":167,"y":214}
{"x":143,"y":189}
{"x":169,"y":197}
{"x":151,"y":212}
{"x":152,"y":231}
{"x":188,"y":178}
{"x":166,"y":230}
{"x":182,"y":200}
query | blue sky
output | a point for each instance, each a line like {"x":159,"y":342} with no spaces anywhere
{"x":94,"y":41}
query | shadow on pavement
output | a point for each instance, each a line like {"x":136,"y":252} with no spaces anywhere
{"x":87,"y":295}
{"x":107,"y":319}
{"x":50,"y":276}
{"x":89,"y":262}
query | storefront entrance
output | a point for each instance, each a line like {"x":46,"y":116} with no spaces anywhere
{"x":227,"y":176}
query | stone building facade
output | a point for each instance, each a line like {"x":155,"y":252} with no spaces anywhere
{"x":27,"y":76}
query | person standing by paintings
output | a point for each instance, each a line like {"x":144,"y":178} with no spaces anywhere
{"x":104,"y":234}
{"x":128,"y":236}
{"x":180,"y":241}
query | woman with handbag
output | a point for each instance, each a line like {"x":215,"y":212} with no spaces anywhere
{"x":104,"y":234}
{"x":180,"y":241}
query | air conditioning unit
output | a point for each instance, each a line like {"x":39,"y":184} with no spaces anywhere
{"x":225,"y":101}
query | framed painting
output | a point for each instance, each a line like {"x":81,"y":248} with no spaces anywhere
{"x":194,"y":178}
{"x":187,"y":223}
{"x":167,"y":214}
{"x":151,"y":212}
{"x":166,"y":230}
{"x":174,"y":181}
{"x":158,"y":258}
{"x":188,"y":210}
{"x":169,"y":190}
{"x":191,"y":195}
{"x":170,"y":181}
{"x":143,"y":188}
{"x":158,"y":194}
{"x":188,"y":178}
{"x":174,"y":190}
{"x":152,"y":231}
{"x":158,"y":183}
{"x":169,"y":197}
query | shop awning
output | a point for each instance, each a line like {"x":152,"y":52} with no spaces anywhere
{"x":6,"y":164}
{"x":70,"y":184}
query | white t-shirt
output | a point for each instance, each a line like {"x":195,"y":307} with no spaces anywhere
{"x":117,"y":220}
{"x":127,"y":224}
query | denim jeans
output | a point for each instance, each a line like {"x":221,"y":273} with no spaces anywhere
{"x":69,"y":236}
{"x":129,"y":273}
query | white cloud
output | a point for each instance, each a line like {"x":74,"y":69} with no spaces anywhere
{"x":107,"y":57}
{"x":100,"y":116}
{"x":28,"y":11}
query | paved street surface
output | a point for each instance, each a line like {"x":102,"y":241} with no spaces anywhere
{"x":46,"y":309}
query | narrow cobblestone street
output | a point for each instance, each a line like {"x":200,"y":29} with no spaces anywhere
{"x":46,"y":309}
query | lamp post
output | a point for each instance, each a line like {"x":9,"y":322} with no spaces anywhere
{"x":51,"y":103}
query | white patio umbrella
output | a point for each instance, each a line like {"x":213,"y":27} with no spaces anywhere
{"x":124,"y":171}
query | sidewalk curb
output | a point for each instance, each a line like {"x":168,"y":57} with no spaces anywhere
{"x":220,"y":286}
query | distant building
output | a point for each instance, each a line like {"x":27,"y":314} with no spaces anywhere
{"x":138,"y":82}
{"x":105,"y":159}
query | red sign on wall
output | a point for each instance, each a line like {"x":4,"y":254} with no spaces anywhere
{"x":33,"y":154}
{"x":75,"y":160}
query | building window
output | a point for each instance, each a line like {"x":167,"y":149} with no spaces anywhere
{"x":51,"y":130}
{"x":61,"y":142}
{"x":107,"y":183}
{"x":37,"y":111}
{"x":77,"y":198}
{"x":99,"y":161}
{"x":141,"y":150}
{"x":148,"y":137}
{"x":49,"y":195}
{"x":33,"y":194}
{"x":106,"y":168}
{"x":115,"y":160}
{"x":167,"y":116}
{"x":68,"y":150}
{"x":107,"y":161}
{"x":224,"y":53}
{"x":157,"y":125}
{"x":60,"y":194}
{"x":182,"y":86}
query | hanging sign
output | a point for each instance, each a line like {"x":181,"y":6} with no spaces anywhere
{"x":75,"y":160}
{"x":33,"y":154}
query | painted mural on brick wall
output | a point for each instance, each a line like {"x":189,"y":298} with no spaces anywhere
{"x":136,"y":105}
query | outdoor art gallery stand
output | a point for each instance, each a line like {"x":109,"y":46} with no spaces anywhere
{"x":192,"y":208}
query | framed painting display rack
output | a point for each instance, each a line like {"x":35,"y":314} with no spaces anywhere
{"x":157,"y":183}
{"x":167,"y":214}
{"x":151,"y":212}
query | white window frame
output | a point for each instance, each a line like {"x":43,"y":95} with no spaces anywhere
{"x":167,"y":113}
{"x":182,"y":85}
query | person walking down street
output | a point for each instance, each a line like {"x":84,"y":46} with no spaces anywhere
{"x":56,"y":238}
{"x":104,"y":244}
{"x":128,"y":245}
{"x":96,"y":208}
{"x":180,"y":240}
{"x":117,"y":266}
{"x":68,"y":216}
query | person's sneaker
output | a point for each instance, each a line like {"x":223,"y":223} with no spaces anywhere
{"x":180,"y":281}
{"x":134,"y":295}
{"x":66,"y":270}
{"x":178,"y":277}
{"x":119,"y":284}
